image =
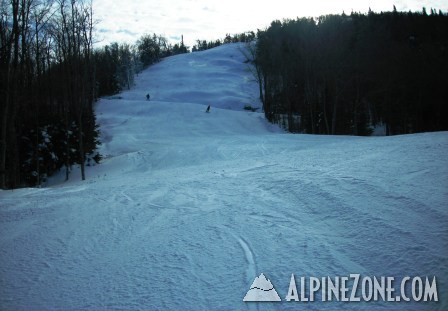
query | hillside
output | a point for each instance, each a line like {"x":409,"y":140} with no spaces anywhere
{"x":189,"y":207}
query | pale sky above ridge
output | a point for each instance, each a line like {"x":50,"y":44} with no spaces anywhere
{"x":128,"y":20}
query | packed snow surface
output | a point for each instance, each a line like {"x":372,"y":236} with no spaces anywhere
{"x":188,"y":208}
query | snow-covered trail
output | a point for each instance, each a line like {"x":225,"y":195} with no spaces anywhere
{"x":189,"y":207}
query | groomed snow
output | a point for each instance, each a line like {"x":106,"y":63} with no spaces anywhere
{"x":189,"y":207}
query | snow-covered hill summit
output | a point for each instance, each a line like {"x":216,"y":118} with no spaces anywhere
{"x":218,"y":77}
{"x":189,"y":207}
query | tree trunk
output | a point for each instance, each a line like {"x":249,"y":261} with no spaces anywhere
{"x":324,"y":105}
{"x":81,"y":149}
{"x":334,"y":117}
{"x":3,"y":142}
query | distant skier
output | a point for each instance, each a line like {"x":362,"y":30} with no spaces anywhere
{"x":208,"y":109}
{"x":148,"y":97}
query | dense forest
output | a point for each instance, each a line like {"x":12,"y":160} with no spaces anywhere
{"x":346,"y":74}
{"x":50,"y":77}
{"x":46,"y":91}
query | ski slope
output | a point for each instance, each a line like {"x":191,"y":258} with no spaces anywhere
{"x":188,"y":207}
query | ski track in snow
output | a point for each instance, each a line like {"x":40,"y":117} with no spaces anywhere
{"x":188,"y":208}
{"x":251,"y":266}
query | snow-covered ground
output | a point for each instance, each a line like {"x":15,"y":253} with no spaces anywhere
{"x":189,"y":207}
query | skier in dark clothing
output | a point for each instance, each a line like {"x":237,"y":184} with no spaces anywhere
{"x":208,"y":109}
{"x":148,"y":97}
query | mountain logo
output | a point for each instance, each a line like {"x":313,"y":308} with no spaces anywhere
{"x":262,"y":290}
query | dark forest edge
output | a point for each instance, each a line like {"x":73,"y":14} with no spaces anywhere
{"x":47,"y":90}
{"x":335,"y":74}
{"x":347,"y":74}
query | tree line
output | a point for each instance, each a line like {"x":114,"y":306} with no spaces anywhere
{"x":202,"y":45}
{"x":346,"y":74}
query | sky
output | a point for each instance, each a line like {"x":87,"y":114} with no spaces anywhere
{"x":127,"y":20}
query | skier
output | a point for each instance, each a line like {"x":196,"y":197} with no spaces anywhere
{"x":208,"y":109}
{"x":148,"y":97}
